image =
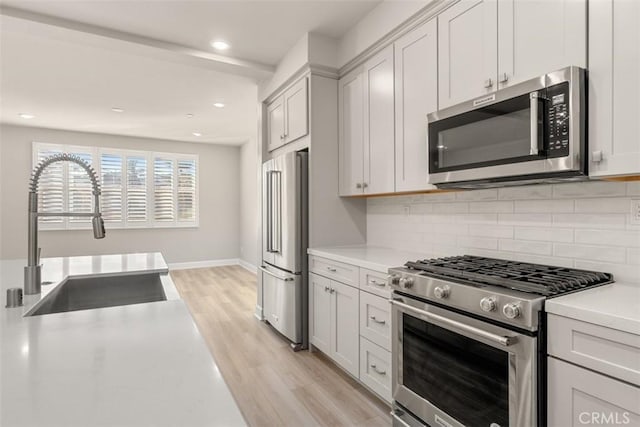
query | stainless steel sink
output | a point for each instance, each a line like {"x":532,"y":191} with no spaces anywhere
{"x":98,"y":292}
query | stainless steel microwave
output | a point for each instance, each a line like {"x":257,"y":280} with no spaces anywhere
{"x":531,"y":132}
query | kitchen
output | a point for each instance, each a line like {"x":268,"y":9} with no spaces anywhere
{"x":382,"y":212}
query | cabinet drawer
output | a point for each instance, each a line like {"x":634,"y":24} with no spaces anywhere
{"x":375,"y":282}
{"x":375,"y":368}
{"x":375,"y":319}
{"x":602,"y":349}
{"x":578,"y":397}
{"x":339,"y":271}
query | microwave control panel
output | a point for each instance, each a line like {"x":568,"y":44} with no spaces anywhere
{"x":558,"y":120}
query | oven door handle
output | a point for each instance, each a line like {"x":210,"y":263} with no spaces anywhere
{"x":502,"y":340}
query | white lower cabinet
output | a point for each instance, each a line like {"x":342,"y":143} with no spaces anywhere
{"x":578,"y":396}
{"x":334,"y":324}
{"x":375,"y":368}
{"x":351,"y":322}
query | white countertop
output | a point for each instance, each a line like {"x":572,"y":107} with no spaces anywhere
{"x":374,"y":258}
{"x":134,"y":365}
{"x":615,"y":306}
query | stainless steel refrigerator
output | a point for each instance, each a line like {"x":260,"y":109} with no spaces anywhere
{"x":284,"y":246}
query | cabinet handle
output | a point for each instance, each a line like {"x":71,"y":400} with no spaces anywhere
{"x":377,"y":371}
{"x":375,"y":282}
{"x":597,"y":156}
{"x":488,"y":83}
{"x":281,"y":136}
{"x":331,"y":291}
{"x":326,"y":289}
{"x":358,"y":185}
{"x":365,"y":185}
{"x":504,"y":77}
{"x":331,"y":269}
{"x":382,"y":322}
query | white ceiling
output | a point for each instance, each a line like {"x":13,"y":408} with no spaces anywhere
{"x":70,"y":76}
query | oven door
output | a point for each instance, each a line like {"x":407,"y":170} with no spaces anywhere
{"x":453,"y":370}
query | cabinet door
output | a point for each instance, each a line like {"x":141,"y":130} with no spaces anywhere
{"x":344,"y":327}
{"x":614,"y":87}
{"x":578,"y":397}
{"x":468,"y":50}
{"x":539,"y":36}
{"x":416,"y":77}
{"x":275,"y":124}
{"x":351,"y":133}
{"x":379,"y":135}
{"x":296,"y":111}
{"x":320,"y":312}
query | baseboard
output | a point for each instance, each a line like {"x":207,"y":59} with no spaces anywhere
{"x":204,"y":264}
{"x":258,"y":312}
{"x":248,"y":266}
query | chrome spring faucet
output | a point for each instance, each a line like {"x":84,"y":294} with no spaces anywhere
{"x":32,"y":272}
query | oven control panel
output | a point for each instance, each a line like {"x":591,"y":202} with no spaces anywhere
{"x":557,"y":120}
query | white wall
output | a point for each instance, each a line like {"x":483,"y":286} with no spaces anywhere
{"x":216,"y":238}
{"x":249,"y":217}
{"x":582,"y":225}
{"x":383,"y":19}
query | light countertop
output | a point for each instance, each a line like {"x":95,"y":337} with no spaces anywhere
{"x":374,"y":258}
{"x":134,"y":365}
{"x":615,"y":306}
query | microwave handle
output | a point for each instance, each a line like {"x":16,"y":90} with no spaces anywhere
{"x":534,"y":99}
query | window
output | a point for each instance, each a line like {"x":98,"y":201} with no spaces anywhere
{"x":139,"y":188}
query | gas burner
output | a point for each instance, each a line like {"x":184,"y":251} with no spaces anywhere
{"x":520,"y":276}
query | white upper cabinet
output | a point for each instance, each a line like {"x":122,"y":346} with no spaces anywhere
{"x":539,"y":36}
{"x":351,"y":133}
{"x":416,"y":95}
{"x":485,"y":45}
{"x":614,"y":87}
{"x":296,"y":114}
{"x":468,"y":50}
{"x":379,"y":171}
{"x":366,"y":127}
{"x":275,"y":124}
{"x":288,"y":116}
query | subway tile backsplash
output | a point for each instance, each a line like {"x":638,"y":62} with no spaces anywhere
{"x":582,"y":225}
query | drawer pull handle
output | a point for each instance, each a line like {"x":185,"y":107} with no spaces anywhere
{"x":382,"y":322}
{"x":376,"y":370}
{"x":331,"y":269}
{"x":375,"y":282}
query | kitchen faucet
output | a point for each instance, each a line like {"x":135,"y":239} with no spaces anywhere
{"x":32,"y":272}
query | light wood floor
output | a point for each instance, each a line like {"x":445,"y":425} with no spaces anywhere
{"x":272,"y":385}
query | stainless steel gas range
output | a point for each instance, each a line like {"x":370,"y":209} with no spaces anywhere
{"x":469,"y":340}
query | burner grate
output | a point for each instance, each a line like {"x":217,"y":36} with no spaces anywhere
{"x":520,"y":276}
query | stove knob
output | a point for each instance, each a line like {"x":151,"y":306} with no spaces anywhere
{"x":406,"y":282}
{"x":442,"y":292}
{"x":395,"y":279}
{"x":511,"y":310}
{"x":488,"y":304}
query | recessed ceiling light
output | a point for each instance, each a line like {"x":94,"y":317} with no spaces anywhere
{"x":189,"y":116}
{"x":117,"y":110}
{"x":26,"y":115}
{"x":196,"y":134}
{"x":219,"y":105}
{"x":220,"y":45}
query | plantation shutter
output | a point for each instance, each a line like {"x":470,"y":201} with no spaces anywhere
{"x":51,"y":188}
{"x":186,"y":190}
{"x":80,"y":190}
{"x":136,"y":189}
{"x":164,"y":208}
{"x":111,"y":200}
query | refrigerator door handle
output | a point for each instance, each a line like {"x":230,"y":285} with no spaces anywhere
{"x":276,"y":219}
{"x":269,"y":210}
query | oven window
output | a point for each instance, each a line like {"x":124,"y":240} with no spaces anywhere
{"x":494,"y":135}
{"x":462,"y":377}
